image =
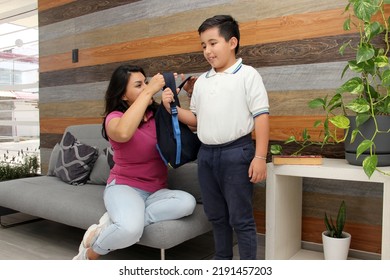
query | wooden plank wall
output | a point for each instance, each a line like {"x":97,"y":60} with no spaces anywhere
{"x":292,"y":43}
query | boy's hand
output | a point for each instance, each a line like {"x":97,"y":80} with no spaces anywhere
{"x":189,"y":85}
{"x":257,"y":170}
{"x":166,"y":98}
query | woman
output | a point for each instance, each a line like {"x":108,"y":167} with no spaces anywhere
{"x":136,"y":193}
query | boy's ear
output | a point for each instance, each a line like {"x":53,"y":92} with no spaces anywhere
{"x":233,"y":42}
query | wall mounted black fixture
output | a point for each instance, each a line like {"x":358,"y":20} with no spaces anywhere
{"x":75,"y":55}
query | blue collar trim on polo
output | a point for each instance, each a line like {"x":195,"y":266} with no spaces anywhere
{"x":231,"y":70}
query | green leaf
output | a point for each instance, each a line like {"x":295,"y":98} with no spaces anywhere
{"x":369,"y":165}
{"x":344,"y":70}
{"x":373,"y":93}
{"x":327,"y":224}
{"x":381,"y":61}
{"x":335,"y":101}
{"x":305,"y":135}
{"x":386,"y":78}
{"x":385,"y":106}
{"x":369,"y":66}
{"x":365,"y":9}
{"x":356,"y":67}
{"x":276,"y":149}
{"x":317,"y":123}
{"x":354,"y":133}
{"x":346,"y":44}
{"x":354,"y":86}
{"x":372,"y":29}
{"x":362,"y":118}
{"x":363,"y":146}
{"x":290,"y":140}
{"x":315,"y":103}
{"x":359,"y":105}
{"x":365,"y":52}
{"x":340,"y":121}
{"x":347,"y":25}
{"x":340,"y":221}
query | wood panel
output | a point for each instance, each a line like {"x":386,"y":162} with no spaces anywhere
{"x":260,"y":221}
{"x":362,"y":208}
{"x":282,"y":127}
{"x":178,"y":17}
{"x":364,"y":237}
{"x":143,"y":48}
{"x":276,"y":57}
{"x":75,"y":92}
{"x":81,"y":109}
{"x":72,"y":9}
{"x":331,"y":150}
{"x":48,"y":141}
{"x":287,"y":103}
{"x":48,"y":4}
{"x":58,"y":125}
{"x":126,"y":13}
{"x":184,"y":42}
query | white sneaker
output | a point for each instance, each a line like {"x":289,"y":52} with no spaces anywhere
{"x":82,"y":255}
{"x":91,"y":235}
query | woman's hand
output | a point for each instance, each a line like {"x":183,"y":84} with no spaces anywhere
{"x":156,"y":83}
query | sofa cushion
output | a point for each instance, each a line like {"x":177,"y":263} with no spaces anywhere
{"x":186,"y":178}
{"x":75,"y":160}
{"x":100,"y":171}
{"x":53,"y":159}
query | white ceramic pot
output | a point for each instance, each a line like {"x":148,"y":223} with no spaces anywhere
{"x":336,"y":248}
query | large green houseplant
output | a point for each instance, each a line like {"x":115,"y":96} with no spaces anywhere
{"x":364,"y":97}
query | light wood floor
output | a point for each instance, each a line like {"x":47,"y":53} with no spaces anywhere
{"x":47,"y":240}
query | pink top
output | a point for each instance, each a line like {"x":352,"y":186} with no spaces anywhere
{"x":137,"y":162}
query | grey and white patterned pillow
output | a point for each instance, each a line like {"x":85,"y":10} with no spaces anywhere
{"x":75,"y":160}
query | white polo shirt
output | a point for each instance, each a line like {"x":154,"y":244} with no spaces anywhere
{"x":227,"y":103}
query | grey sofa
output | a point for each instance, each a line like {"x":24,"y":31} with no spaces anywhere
{"x":80,"y":206}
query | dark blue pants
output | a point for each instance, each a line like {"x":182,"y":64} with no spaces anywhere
{"x":227,"y":196}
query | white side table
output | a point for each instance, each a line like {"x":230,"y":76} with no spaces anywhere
{"x":284,"y":203}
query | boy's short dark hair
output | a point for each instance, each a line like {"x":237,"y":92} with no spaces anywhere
{"x":227,"y":25}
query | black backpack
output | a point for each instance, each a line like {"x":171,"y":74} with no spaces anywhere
{"x":176,"y":142}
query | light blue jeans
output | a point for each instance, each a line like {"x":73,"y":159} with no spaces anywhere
{"x":131,"y":209}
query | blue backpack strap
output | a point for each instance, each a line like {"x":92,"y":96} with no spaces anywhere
{"x":170,"y":82}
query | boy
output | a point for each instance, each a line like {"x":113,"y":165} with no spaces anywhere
{"x":228,"y":102}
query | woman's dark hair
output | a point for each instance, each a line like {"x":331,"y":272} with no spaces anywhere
{"x":117,"y":88}
{"x":227,"y":25}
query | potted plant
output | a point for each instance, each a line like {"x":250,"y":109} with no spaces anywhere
{"x":334,"y":239}
{"x":12,"y":168}
{"x":359,"y":110}
{"x":15,"y":167}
